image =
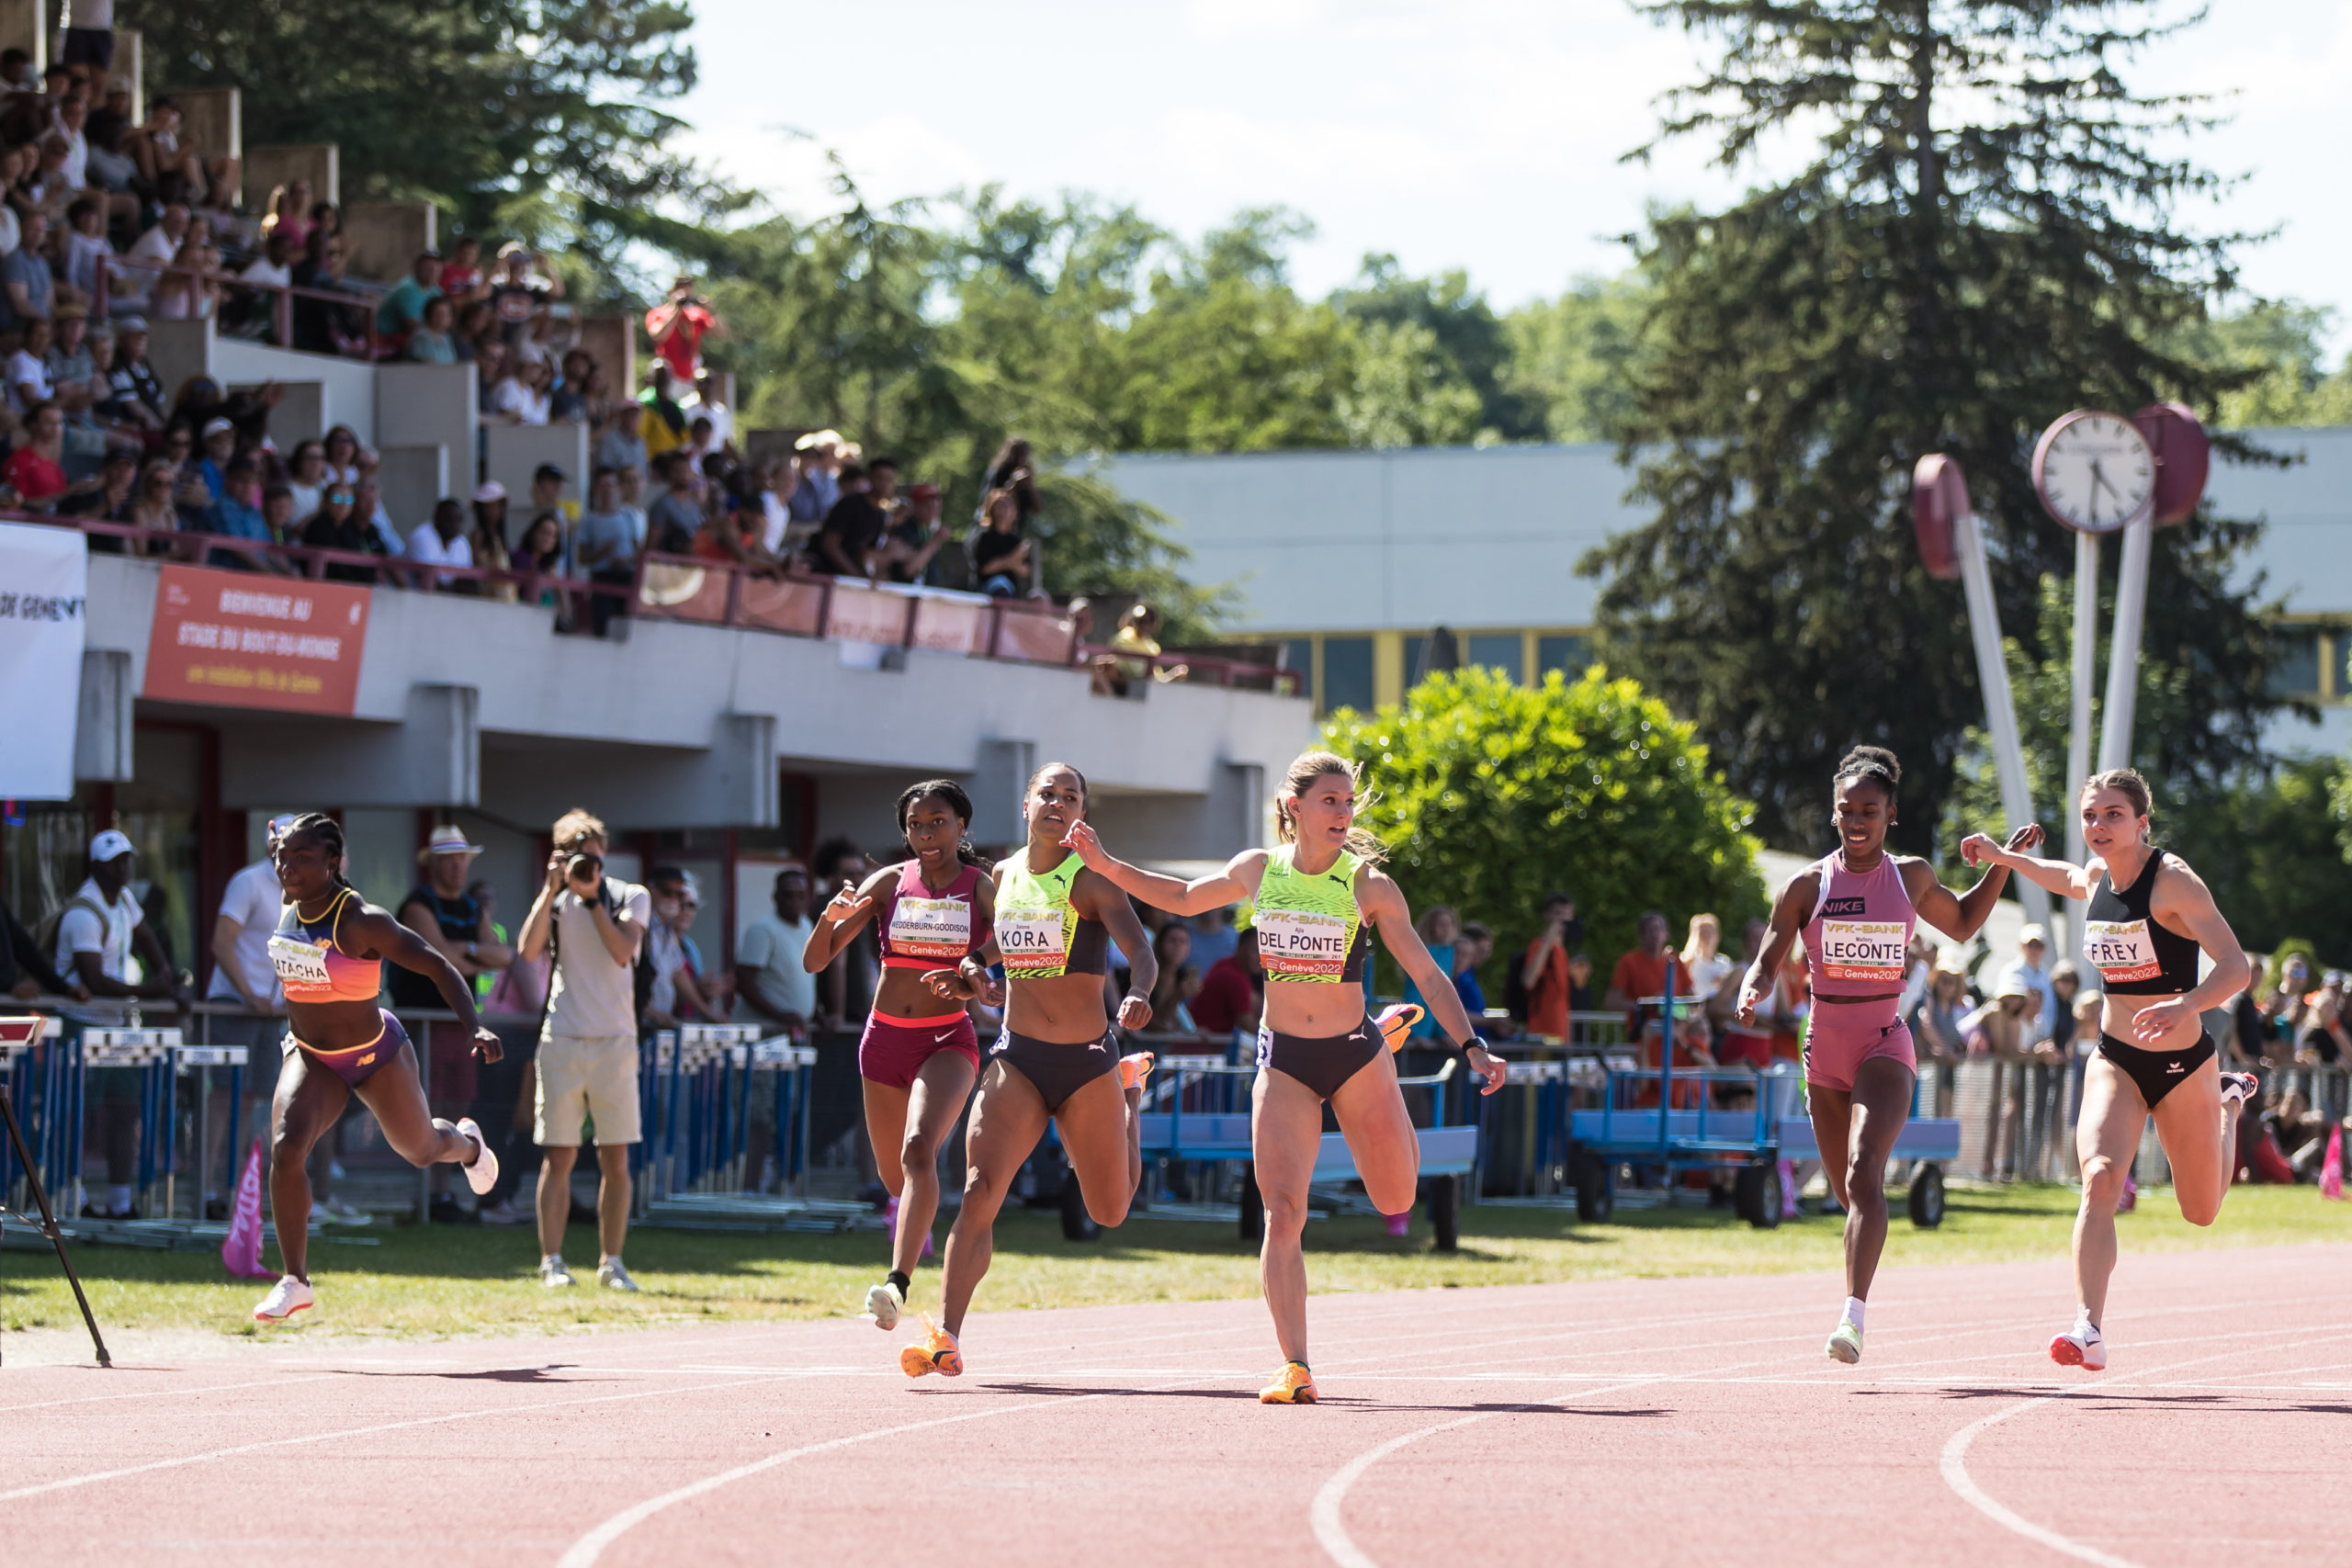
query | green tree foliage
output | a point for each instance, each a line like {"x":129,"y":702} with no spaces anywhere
{"x":1575,"y":357}
{"x":1491,"y":795}
{"x":2280,"y":343}
{"x":1985,"y":235}
{"x":537,"y":117}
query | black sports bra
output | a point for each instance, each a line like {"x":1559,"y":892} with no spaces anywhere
{"x":2132,"y":952}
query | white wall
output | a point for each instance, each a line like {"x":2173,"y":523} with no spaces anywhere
{"x":346,"y":386}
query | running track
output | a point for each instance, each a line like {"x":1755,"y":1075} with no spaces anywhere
{"x":1656,"y":1421}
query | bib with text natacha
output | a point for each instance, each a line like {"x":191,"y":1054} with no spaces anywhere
{"x":298,"y":963}
{"x":932,"y":928}
{"x":1862,"y":950}
{"x":1299,"y":944}
{"x":2120,"y":950}
{"x":1031,"y":942}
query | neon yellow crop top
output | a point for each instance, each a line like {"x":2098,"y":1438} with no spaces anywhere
{"x":1310,"y":928}
{"x":1038,"y":931}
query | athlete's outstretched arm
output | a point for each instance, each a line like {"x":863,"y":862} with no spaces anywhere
{"x":1961,"y":915}
{"x":1107,"y":904}
{"x":1235,"y":882}
{"x":2062,"y":877}
{"x":1384,"y":902}
{"x":840,"y":919}
{"x":1790,"y":912}
{"x":2181,"y":899}
{"x":378,"y":935}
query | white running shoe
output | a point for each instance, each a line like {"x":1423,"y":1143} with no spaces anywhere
{"x":336,"y":1211}
{"x":2243,"y":1086}
{"x":1845,"y":1344}
{"x":286,"y":1298}
{"x":2080,"y":1346}
{"x":610,"y":1274}
{"x":552,"y":1273}
{"x":482,"y":1175}
{"x":883,"y":1302}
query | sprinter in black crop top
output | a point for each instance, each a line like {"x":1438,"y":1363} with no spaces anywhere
{"x":2147,"y":918}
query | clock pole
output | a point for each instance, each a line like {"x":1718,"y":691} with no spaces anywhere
{"x":2078,"y":740}
{"x":2124,"y":651}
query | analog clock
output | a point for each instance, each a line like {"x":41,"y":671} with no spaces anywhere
{"x":2095,"y":472}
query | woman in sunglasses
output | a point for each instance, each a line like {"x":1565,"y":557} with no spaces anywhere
{"x":338,"y":525}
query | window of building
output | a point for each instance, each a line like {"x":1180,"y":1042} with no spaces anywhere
{"x":1568,"y":654}
{"x":1498,"y":651}
{"x":1347,"y":675}
{"x":2297,"y":671}
{"x":1298,"y":653}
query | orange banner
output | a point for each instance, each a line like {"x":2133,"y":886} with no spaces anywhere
{"x":245,"y":641}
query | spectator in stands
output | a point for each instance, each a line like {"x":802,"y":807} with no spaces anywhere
{"x":2002,"y":1027}
{"x":679,"y":992}
{"x":190,"y":289}
{"x":36,"y":471}
{"x":477,"y":329}
{"x":541,"y":553}
{"x":1231,"y":990}
{"x":111,"y":502}
{"x":911,"y":544}
{"x":675,"y":516}
{"x":677,"y":327}
{"x":25,"y":278}
{"x":1936,"y":1023}
{"x":1703,"y":957}
{"x":1543,"y":969}
{"x":594,"y":926}
{"x":338,"y":525}
{"x":403,"y":307}
{"x":665,"y":424}
{"x":567,"y":398}
{"x":462,"y":275}
{"x":306,"y":475}
{"x":288,"y":214}
{"x":999,"y":553}
{"x":17,"y":71}
{"x":155,"y":148}
{"x":1015,"y":470}
{"x":1475,"y":947}
{"x":819,"y":452}
{"x":367,"y":504}
{"x":135,"y":397}
{"x":620,"y":446}
{"x":87,"y":252}
{"x":2065,"y":989}
{"x":489,"y":517}
{"x":522,"y":288}
{"x":521,"y":395}
{"x":2033,"y":950}
{"x":236,"y":514}
{"x":441,"y":542}
{"x":844,"y":546}
{"x":604,"y":548}
{"x":324,"y":326}
{"x":28,"y":369}
{"x":2250,"y":1034}
{"x":1642,"y":972}
{"x":1439,"y":928}
{"x":273,"y":269}
{"x":771,"y":986}
{"x":152,"y":501}
{"x":277,"y":513}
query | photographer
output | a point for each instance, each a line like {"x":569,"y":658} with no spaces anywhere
{"x":677,"y":327}
{"x":593,"y":925}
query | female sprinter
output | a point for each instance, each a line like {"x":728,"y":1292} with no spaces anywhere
{"x":920,"y":1052}
{"x":1058,"y":1058}
{"x":328,"y":950}
{"x":1315,"y":895}
{"x":1855,"y":911}
{"x":2148,"y":916}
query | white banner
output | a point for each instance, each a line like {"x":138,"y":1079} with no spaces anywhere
{"x":44,"y":611}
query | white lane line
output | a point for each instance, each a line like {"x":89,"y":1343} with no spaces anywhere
{"x":1954,"y":1461}
{"x":585,"y":1552}
{"x":68,"y":1483}
{"x":163,"y":1393}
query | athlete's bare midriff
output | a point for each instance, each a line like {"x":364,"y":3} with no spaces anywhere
{"x":2117,"y":1014}
{"x":334,"y":1026}
{"x":1313,"y":1009}
{"x":1065,"y":1009}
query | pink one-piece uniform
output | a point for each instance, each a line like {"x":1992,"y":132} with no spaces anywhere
{"x":1857,"y":944}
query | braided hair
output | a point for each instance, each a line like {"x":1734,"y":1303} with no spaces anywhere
{"x":1876,"y":763}
{"x":330,"y":834}
{"x":958,"y":801}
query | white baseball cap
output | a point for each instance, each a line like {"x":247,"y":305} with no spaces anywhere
{"x":109,"y":845}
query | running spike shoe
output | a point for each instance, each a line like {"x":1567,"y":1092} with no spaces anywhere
{"x":1396,"y":1023}
{"x":286,"y":1298}
{"x":1845,"y":1344}
{"x":2241,"y":1087}
{"x":2080,"y":1346}
{"x":1293,"y":1385}
{"x":482,"y":1174}
{"x":882,"y":1304}
{"x":1136,"y":1067}
{"x":937,"y":1353}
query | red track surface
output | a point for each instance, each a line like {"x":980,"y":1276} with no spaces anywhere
{"x":1666,"y":1421}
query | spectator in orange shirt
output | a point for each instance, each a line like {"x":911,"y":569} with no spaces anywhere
{"x":1642,"y":972}
{"x":1543,"y":973}
{"x":677,"y":327}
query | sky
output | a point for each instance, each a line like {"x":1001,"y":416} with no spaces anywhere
{"x":1486,"y":135}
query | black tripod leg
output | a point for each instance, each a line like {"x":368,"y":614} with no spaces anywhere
{"x":49,"y":1224}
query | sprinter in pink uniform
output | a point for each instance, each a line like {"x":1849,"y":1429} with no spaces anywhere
{"x":919,"y":1053}
{"x":1855,"y":911}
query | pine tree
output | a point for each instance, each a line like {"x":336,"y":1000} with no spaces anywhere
{"x":1985,"y":236}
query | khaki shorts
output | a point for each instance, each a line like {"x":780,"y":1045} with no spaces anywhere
{"x":584,"y":1076}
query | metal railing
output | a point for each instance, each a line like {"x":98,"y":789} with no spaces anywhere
{"x":359,"y":298}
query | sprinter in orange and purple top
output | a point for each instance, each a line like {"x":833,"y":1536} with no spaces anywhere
{"x":329,"y":950}
{"x":919,"y":1053}
{"x":1855,"y":911}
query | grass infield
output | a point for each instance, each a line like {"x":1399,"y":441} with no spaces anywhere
{"x":424,"y":1281}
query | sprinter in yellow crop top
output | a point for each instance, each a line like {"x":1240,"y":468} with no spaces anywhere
{"x":329,"y":950}
{"x":1315,"y":895}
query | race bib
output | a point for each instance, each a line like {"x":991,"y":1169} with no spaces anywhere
{"x":298,"y":963}
{"x":1300,"y":944}
{"x":1031,"y":944}
{"x":932,"y":928}
{"x":1862,"y":950}
{"x":2120,"y":950}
